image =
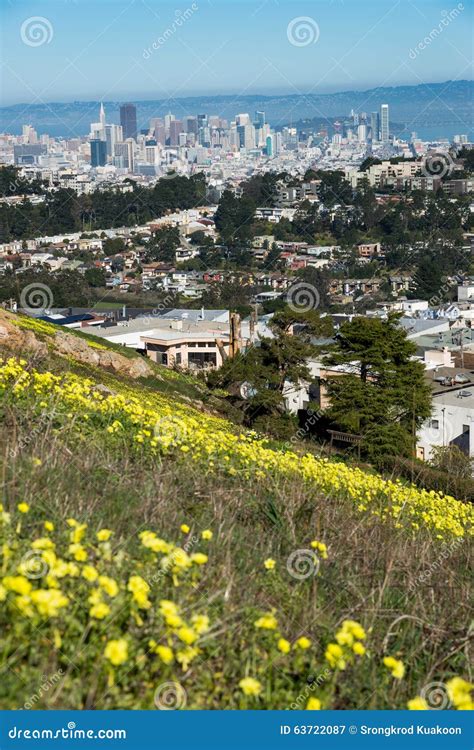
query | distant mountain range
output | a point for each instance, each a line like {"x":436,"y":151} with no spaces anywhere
{"x":441,"y":109}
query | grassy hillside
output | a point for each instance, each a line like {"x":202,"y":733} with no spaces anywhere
{"x":154,"y":555}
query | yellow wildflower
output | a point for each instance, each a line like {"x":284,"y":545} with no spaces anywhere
{"x":334,"y":656}
{"x":250,"y":686}
{"x":116,"y":651}
{"x":187,"y":635}
{"x":417,"y":704}
{"x":313,"y":704}
{"x":283,"y":645}
{"x":90,"y":573}
{"x":48,"y":602}
{"x":140,"y":589}
{"x":109,"y":585}
{"x":99,"y":610}
{"x":321,"y":547}
{"x":396,"y":667}
{"x":18,"y":584}
{"x":267,"y":622}
{"x":78,"y":552}
{"x":200,"y":623}
{"x":459,"y":692}
{"x":165,"y":654}
{"x":269,"y":563}
{"x":303,"y":643}
{"x":23,"y":507}
{"x":104,"y":535}
{"x":199,"y":558}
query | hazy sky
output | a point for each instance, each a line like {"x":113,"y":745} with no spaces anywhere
{"x":103,"y":49}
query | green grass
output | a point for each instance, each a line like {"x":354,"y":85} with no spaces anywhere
{"x":375,"y":573}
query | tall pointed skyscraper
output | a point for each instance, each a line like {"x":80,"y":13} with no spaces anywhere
{"x":102,"y":115}
{"x":384,"y":123}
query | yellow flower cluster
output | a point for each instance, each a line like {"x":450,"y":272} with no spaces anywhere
{"x":349,"y":639}
{"x":60,"y":597}
{"x":180,"y":635}
{"x":160,"y":425}
{"x":32,"y":592}
{"x":460,"y":693}
{"x":396,"y":667}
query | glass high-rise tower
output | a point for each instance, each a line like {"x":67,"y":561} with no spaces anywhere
{"x":384,"y":123}
{"x":128,"y":121}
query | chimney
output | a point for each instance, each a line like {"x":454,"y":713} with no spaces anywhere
{"x":234,"y":334}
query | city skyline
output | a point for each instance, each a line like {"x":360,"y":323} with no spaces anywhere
{"x":155,"y":51}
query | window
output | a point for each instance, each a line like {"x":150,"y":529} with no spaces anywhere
{"x":434,"y":424}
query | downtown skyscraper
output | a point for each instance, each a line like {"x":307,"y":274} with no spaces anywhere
{"x":128,"y":121}
{"x":384,"y":123}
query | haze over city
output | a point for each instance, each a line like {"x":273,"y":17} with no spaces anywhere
{"x":104,"y":50}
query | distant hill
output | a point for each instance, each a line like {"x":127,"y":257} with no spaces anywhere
{"x":442,"y":108}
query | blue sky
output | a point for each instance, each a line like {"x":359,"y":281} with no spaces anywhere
{"x":97,"y":49}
